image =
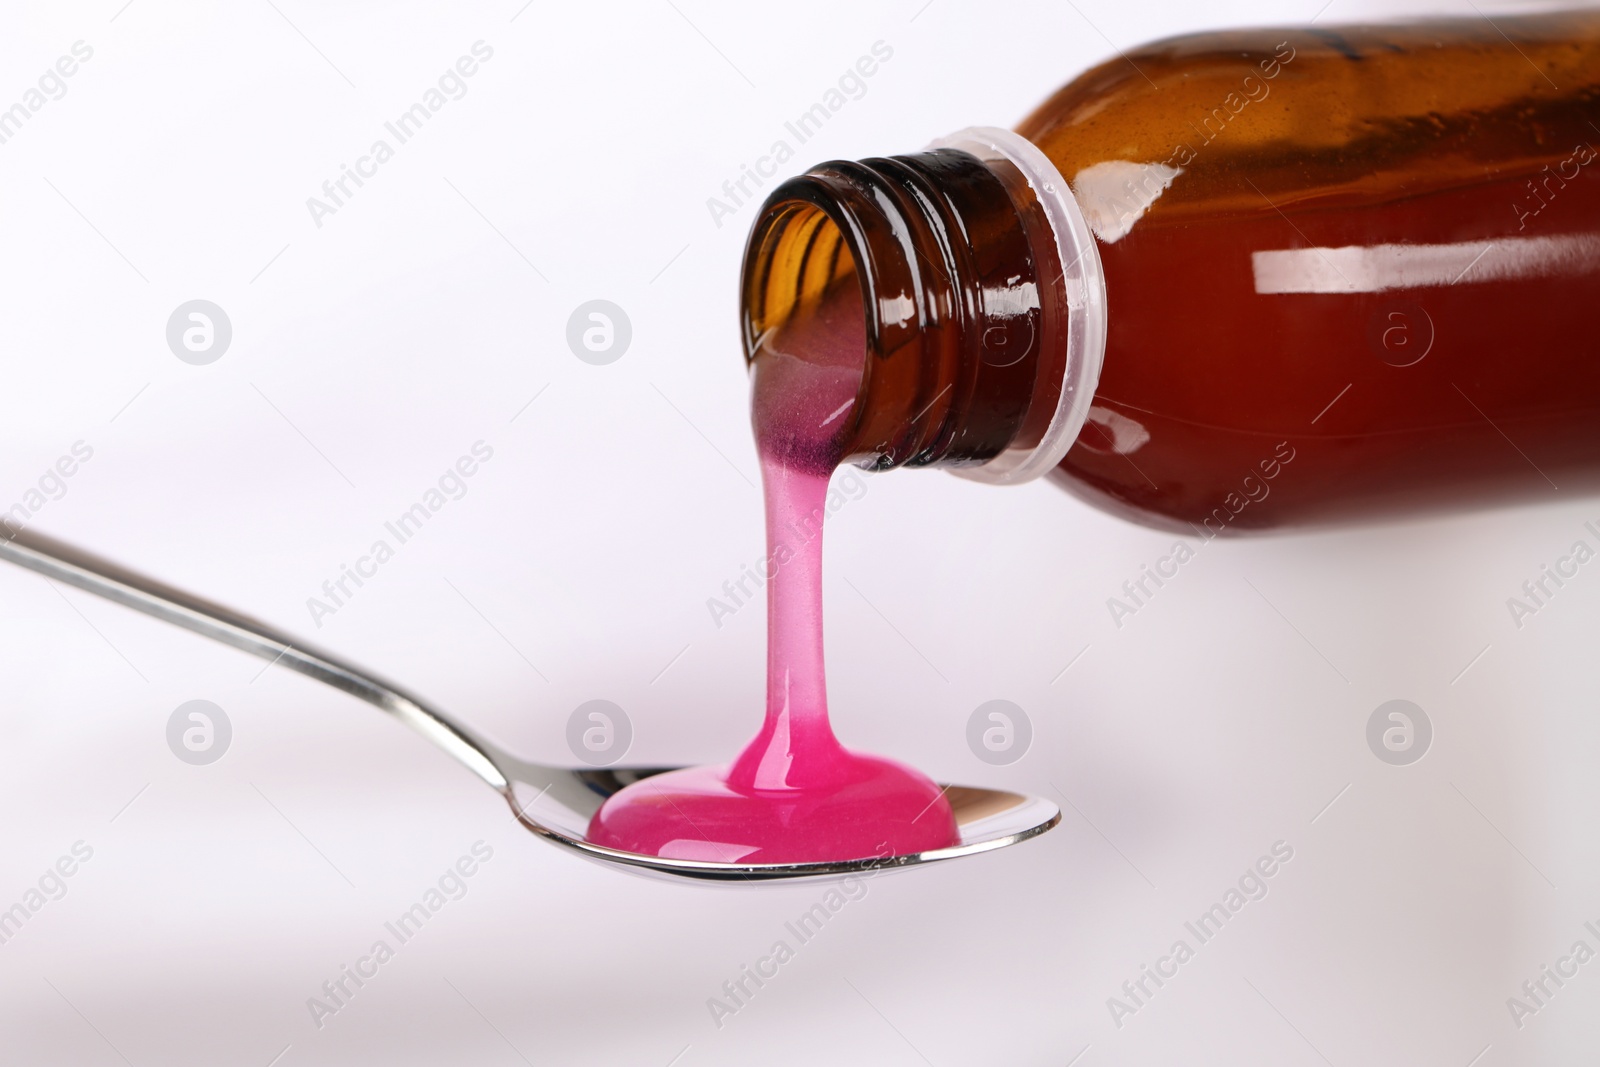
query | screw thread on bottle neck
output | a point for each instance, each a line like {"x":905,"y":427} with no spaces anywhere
{"x":974,"y":320}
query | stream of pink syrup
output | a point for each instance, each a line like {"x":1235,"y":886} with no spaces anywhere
{"x":795,"y":794}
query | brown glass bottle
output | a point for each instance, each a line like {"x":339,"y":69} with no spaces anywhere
{"x":1235,"y":280}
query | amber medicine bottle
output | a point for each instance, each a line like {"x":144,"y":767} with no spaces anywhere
{"x":1235,"y":280}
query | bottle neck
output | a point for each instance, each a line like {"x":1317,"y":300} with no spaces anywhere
{"x":982,"y":298}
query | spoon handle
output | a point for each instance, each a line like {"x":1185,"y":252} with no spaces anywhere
{"x":75,"y":567}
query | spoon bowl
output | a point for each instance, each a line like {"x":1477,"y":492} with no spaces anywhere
{"x":555,"y":803}
{"x":986,"y":818}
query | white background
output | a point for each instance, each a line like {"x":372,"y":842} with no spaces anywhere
{"x":370,"y":353}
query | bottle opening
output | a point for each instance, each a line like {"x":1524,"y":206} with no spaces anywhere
{"x":808,"y":360}
{"x":970,"y":335}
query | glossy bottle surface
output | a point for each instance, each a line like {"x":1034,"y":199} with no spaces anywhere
{"x":1348,"y":271}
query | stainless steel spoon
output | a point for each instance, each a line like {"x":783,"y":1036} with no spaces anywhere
{"x":554,"y":802}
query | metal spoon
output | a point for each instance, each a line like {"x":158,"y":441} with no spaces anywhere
{"x":554,"y":802}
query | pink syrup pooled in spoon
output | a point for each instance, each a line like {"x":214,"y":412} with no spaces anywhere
{"x":794,"y":795}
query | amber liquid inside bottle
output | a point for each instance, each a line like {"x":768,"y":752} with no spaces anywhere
{"x":1345,"y":272}
{"x":1257,"y":309}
